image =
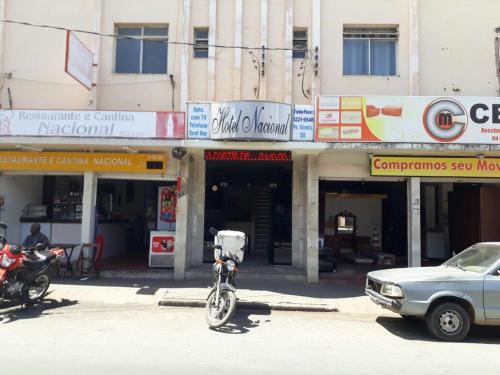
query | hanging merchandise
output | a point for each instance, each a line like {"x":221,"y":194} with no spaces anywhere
{"x":168,"y":200}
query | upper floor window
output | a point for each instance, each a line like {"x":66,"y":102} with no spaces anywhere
{"x":370,"y":51}
{"x":299,"y":43}
{"x":147,"y":54}
{"x":200,"y":48}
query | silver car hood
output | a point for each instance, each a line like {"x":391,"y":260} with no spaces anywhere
{"x":441,"y":273}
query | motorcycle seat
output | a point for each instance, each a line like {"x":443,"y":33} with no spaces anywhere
{"x":37,"y":264}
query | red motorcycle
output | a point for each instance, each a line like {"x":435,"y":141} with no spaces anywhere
{"x":25,"y":272}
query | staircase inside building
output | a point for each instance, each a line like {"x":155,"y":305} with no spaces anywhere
{"x":263,"y":221}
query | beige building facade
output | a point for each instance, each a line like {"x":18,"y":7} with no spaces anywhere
{"x":283,"y":51}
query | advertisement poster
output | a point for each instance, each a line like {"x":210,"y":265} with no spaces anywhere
{"x":198,"y":120}
{"x":167,"y":200}
{"x":459,"y":120}
{"x":101,"y":124}
{"x":303,"y":123}
{"x":162,"y":244}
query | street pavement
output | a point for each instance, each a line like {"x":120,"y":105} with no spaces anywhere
{"x":103,"y":329}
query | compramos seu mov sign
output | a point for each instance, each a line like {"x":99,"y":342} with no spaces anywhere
{"x":434,"y":166}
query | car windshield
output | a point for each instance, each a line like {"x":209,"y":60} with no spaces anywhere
{"x":477,"y":258}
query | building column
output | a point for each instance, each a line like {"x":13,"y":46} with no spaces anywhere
{"x":198,"y":211}
{"x":414,"y":65}
{"x":298,"y":214}
{"x":183,"y":226}
{"x":212,"y":36}
{"x":288,"y":87}
{"x":184,"y":56}
{"x":312,"y":218}
{"x":413,"y":207}
{"x":316,"y":43}
{"x":88,"y":206}
{"x":264,"y":9}
{"x":238,"y":34}
{"x":97,"y":53}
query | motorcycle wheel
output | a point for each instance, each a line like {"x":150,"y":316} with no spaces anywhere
{"x":37,"y":289}
{"x":217,"y":316}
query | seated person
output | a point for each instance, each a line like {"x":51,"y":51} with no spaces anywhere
{"x":35,"y":237}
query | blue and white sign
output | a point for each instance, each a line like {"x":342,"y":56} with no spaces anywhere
{"x":198,"y":120}
{"x":303,"y":123}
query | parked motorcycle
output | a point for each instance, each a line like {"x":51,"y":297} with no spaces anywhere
{"x":229,"y":249}
{"x":25,"y":272}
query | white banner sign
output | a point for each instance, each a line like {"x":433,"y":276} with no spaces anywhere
{"x":460,"y":120}
{"x":198,"y":120}
{"x":251,"y":120}
{"x":303,"y":123}
{"x":92,"y":124}
{"x":79,"y":60}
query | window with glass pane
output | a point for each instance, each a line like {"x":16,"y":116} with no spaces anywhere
{"x":370,"y":51}
{"x":147,"y":53}
{"x":200,"y":48}
{"x":299,"y":43}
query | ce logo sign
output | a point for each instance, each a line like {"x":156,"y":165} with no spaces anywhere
{"x":445,"y":120}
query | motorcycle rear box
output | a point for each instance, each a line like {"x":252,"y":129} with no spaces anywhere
{"x":233,"y":242}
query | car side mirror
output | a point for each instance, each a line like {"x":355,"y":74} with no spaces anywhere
{"x":214,"y":232}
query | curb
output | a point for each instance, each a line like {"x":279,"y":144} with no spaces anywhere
{"x":251,"y":305}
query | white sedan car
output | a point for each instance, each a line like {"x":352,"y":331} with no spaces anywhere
{"x":463,"y":290}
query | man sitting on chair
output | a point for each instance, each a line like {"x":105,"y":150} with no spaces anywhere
{"x":35,"y":237}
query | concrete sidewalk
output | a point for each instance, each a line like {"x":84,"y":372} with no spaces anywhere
{"x":327,"y":296}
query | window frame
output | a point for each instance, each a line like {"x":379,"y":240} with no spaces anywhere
{"x":306,"y":40}
{"x":367,"y":35}
{"x":141,"y":38}
{"x":197,"y":47}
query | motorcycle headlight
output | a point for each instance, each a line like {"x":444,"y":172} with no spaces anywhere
{"x":390,"y":290}
{"x":6,"y":261}
{"x":216,"y":267}
{"x":230,"y":265}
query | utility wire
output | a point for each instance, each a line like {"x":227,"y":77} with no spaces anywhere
{"x":29,"y":24}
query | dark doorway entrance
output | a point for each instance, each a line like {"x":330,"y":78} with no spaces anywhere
{"x":253,"y":197}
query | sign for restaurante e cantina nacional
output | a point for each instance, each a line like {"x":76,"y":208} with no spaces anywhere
{"x":102,"y":124}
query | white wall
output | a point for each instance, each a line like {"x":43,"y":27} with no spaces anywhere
{"x":368,"y":212}
{"x":455,"y":38}
{"x":18,"y":192}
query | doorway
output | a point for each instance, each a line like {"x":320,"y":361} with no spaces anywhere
{"x":253,"y":197}
{"x":362,"y":226}
{"x":127,"y":214}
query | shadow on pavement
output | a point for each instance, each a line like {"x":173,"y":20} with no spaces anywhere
{"x":415,"y":329}
{"x":241,"y":322}
{"x":327,"y":289}
{"x":12,"y":311}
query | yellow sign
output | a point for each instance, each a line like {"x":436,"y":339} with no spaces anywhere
{"x":82,"y":162}
{"x":434,"y":166}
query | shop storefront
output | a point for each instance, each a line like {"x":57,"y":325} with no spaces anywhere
{"x":116,"y":196}
{"x":417,"y":183}
{"x":121,"y":196}
{"x":363,"y":182}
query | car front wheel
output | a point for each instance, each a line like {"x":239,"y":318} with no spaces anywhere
{"x":448,"y":322}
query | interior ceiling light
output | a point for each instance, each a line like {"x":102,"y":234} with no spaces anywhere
{"x":29,"y":148}
{"x":130,"y":150}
